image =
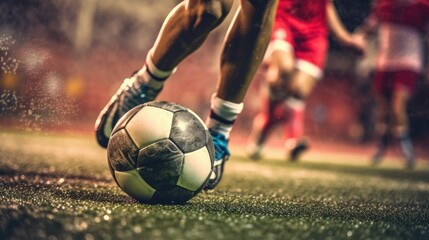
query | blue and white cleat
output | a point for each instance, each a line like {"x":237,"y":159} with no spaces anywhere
{"x":221,"y":156}
{"x":130,"y":94}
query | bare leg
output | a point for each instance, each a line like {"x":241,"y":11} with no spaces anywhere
{"x":399,"y":110}
{"x":244,"y":48}
{"x":383,"y":127}
{"x":299,"y":87}
{"x":186,"y":28}
{"x":262,"y":126}
{"x":284,"y":63}
{"x":245,"y":45}
{"x":280,"y":65}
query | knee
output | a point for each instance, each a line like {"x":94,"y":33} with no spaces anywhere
{"x":301,"y":90}
{"x":399,"y":104}
{"x":399,"y":113}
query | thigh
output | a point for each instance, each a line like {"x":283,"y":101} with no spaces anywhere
{"x":281,"y":48}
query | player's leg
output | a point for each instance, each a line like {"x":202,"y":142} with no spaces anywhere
{"x":270,"y":115}
{"x":183,"y":31}
{"x":382,"y":127}
{"x":244,"y":48}
{"x":310,"y":54}
{"x":272,"y":96}
{"x":403,"y":87}
{"x":300,"y":87}
{"x":383,"y":114}
{"x":260,"y":126}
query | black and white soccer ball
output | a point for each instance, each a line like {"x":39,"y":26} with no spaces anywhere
{"x":161,"y":152}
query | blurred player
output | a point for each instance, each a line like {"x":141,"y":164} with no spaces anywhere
{"x":296,"y":58}
{"x":400,"y":26}
{"x":184,"y":31}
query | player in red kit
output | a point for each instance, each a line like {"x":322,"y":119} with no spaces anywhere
{"x":400,"y":26}
{"x":183,"y":32}
{"x":295,"y":61}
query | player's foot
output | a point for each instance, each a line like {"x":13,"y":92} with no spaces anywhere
{"x":407,"y":151}
{"x":383,"y":143}
{"x":410,"y":163}
{"x":221,"y":156}
{"x":297,"y":150}
{"x":130,"y":94}
{"x":254,"y":152}
{"x":376,"y":159}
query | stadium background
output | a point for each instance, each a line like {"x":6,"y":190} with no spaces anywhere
{"x":62,"y":60}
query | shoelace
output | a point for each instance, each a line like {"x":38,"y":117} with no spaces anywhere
{"x":220,"y":144}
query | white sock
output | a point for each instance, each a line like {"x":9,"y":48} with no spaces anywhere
{"x":295,"y":103}
{"x":222,"y":116}
{"x":151,"y":75}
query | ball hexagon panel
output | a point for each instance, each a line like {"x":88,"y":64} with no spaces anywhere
{"x":160,"y":164}
{"x":149,"y":125}
{"x":122,"y":151}
{"x":124,"y":119}
{"x":197,"y":168}
{"x":187,"y":132}
{"x":134,"y":185}
{"x":199,"y":119}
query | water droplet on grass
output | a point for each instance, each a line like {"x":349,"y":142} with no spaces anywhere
{"x":349,"y":233}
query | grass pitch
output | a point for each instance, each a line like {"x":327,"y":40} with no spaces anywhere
{"x":59,"y":187}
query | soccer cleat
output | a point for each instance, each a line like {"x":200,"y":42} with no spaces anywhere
{"x":130,"y":94}
{"x":378,"y":156}
{"x":382,"y":145}
{"x":410,"y":163}
{"x":221,"y":156}
{"x":254,"y":152}
{"x":407,"y":151}
{"x":297,"y":150}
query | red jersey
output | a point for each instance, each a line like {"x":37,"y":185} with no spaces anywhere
{"x":304,"y":16}
{"x":412,"y":13}
{"x":400,"y":27}
{"x":302,"y":25}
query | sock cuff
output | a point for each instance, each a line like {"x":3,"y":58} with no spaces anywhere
{"x":225,"y":109}
{"x":295,"y":103}
{"x":154,"y":71}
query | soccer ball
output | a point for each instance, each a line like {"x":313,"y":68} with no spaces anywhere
{"x":161,"y":152}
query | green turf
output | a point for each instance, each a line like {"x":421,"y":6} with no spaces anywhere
{"x":59,"y":187}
